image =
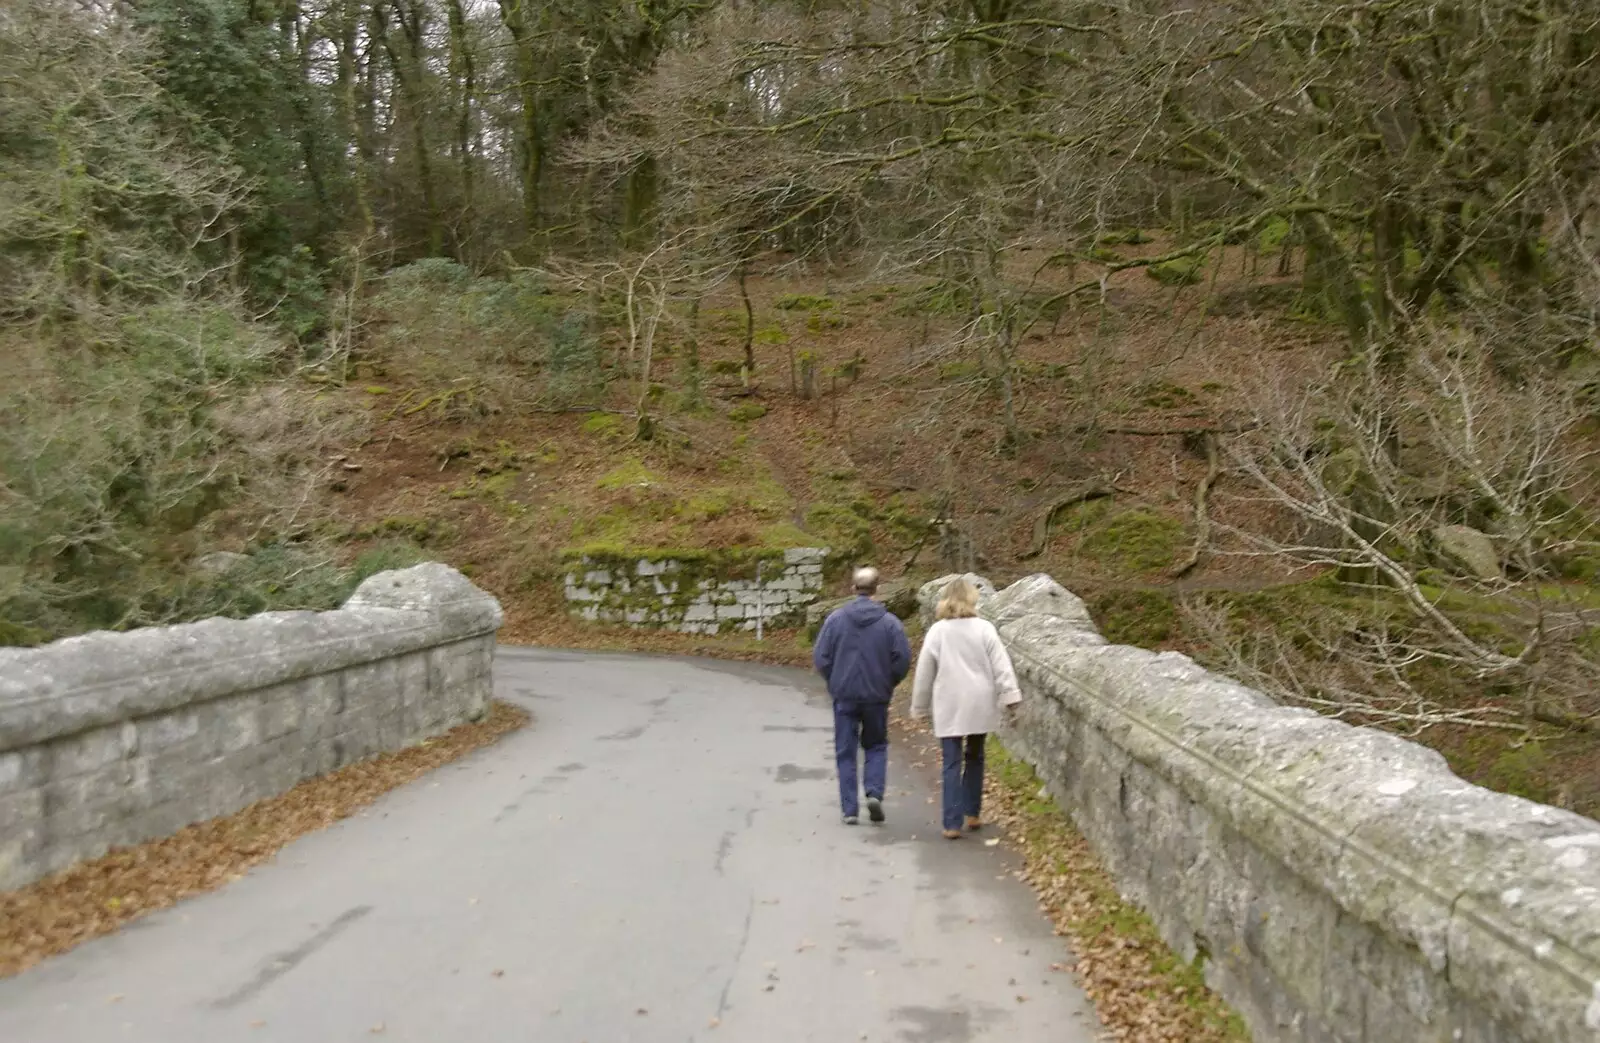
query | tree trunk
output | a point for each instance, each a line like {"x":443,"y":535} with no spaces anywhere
{"x":516,"y":16}
{"x":410,"y":70}
{"x":749,"y":326}
{"x":463,"y":74}
{"x":350,"y":114}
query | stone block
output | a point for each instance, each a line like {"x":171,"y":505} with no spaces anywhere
{"x":730,"y":611}
{"x":21,"y":812}
{"x":699,"y":612}
{"x":23,"y":768}
{"x":806,"y":556}
{"x":168,"y":729}
{"x":597,"y":578}
{"x":92,"y":750}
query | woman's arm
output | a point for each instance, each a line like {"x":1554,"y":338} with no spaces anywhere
{"x":927,"y":667}
{"x":1005,"y":678}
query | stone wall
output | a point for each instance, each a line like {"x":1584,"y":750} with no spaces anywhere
{"x":696,"y":592}
{"x":1339,"y":883}
{"x":110,"y":739}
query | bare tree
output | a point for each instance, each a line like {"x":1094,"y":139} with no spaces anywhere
{"x":656,"y":288}
{"x":1469,"y":531}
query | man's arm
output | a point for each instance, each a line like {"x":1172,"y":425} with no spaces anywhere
{"x":899,"y":653}
{"x":822,"y":651}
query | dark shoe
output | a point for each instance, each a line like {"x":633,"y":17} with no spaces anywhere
{"x":973,"y":823}
{"x":851,"y":820}
{"x":875,"y":808}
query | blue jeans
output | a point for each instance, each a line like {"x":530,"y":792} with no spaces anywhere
{"x":963,"y":778}
{"x":867,"y":725}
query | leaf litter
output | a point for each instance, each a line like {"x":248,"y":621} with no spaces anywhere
{"x":96,"y":897}
{"x":1141,"y":990}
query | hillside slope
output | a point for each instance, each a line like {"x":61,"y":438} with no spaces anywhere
{"x":899,"y":454}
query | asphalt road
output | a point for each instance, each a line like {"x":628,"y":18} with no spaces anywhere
{"x":658,"y":858}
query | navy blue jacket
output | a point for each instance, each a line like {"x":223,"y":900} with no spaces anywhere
{"x":862,"y":653}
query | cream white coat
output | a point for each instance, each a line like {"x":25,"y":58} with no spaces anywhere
{"x":965,"y":674}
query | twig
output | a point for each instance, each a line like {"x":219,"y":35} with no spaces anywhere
{"x":1095,"y":490}
{"x":1202,"y":519}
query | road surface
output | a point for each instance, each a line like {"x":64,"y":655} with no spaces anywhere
{"x":659,"y":858}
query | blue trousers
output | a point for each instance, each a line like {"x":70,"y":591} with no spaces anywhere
{"x":963,"y":778}
{"x":865,"y":725}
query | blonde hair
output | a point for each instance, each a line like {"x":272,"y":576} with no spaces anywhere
{"x":960,"y":601}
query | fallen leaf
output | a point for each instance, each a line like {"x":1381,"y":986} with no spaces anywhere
{"x":376,"y":1028}
{"x":497,"y":974}
{"x":641,"y":1012}
{"x":96,"y":897}
{"x":714,"y":1023}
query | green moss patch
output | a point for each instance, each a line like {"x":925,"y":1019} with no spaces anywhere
{"x":630,"y":474}
{"x":602,"y":425}
{"x":1180,"y":271}
{"x":1136,"y":541}
{"x":1143,"y":618}
{"x":804,"y":302}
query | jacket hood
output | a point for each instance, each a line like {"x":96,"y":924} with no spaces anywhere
{"x":864,"y":612}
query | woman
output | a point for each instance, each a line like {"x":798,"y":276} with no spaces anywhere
{"x":965,"y":674}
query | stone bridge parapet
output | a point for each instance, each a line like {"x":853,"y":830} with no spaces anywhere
{"x":1339,"y":883}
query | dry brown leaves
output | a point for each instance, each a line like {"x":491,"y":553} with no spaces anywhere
{"x":97,"y":897}
{"x":547,"y":630}
{"x":1141,"y":990}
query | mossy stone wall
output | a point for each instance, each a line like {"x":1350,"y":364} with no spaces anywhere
{"x":697,"y":592}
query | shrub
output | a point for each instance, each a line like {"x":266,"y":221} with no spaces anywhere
{"x":439,"y":273}
{"x":804,"y":302}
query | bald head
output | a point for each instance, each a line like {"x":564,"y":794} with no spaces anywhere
{"x":865,"y":581}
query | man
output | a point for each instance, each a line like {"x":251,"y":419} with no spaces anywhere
{"x":862,"y":653}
